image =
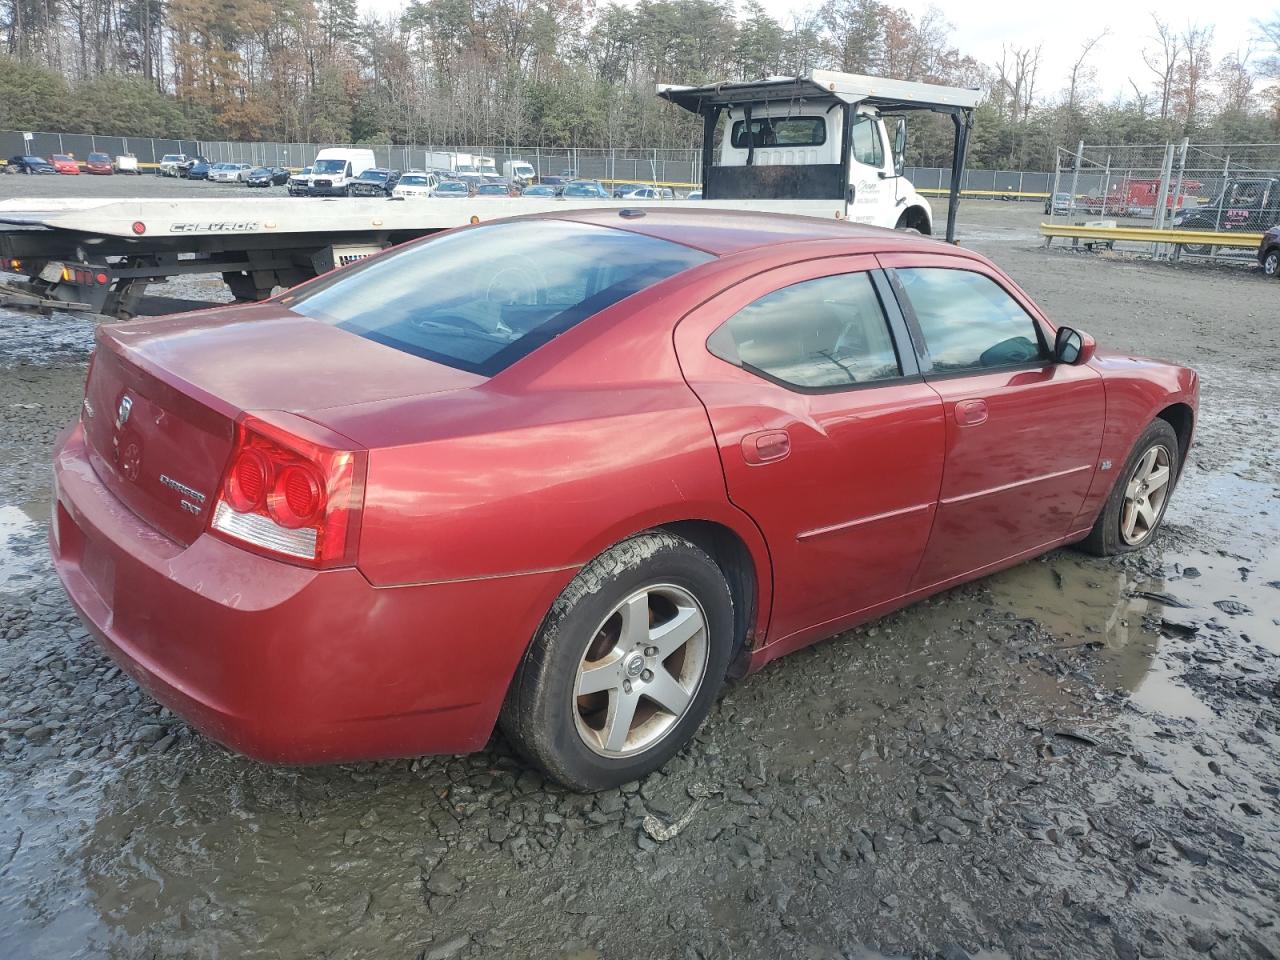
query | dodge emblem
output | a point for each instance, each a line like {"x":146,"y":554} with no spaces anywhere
{"x":122,"y":412}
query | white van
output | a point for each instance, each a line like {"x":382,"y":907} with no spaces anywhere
{"x":335,"y":168}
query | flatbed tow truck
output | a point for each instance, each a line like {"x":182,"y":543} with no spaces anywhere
{"x":816,"y":145}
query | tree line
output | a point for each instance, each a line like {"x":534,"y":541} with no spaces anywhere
{"x":568,"y":73}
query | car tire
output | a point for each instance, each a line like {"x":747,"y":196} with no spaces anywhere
{"x":1123,"y":526}
{"x":679,"y":652}
{"x":1271,"y":263}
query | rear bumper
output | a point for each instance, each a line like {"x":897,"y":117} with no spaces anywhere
{"x":284,"y":664}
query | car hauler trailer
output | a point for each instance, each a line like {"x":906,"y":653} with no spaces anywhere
{"x":815,"y":146}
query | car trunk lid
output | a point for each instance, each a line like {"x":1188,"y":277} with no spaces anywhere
{"x":163,"y":397}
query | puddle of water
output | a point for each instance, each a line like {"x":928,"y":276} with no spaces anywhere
{"x":34,"y":339}
{"x":22,"y":553}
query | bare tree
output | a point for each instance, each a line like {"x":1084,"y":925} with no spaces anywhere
{"x":1163,"y":61}
{"x":1082,"y":74}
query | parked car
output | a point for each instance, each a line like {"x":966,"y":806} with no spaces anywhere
{"x":127,"y":163}
{"x":170,"y":163}
{"x":790,"y":429}
{"x":98,"y":163}
{"x":644,"y":193}
{"x":558,"y":182}
{"x":300,"y":182}
{"x":184,"y":168}
{"x":540,"y":190}
{"x":693,"y":195}
{"x":375,"y":182}
{"x":622,"y":189}
{"x":452,"y":190}
{"x":415,"y":183}
{"x":199,"y":170}
{"x":65,"y":164}
{"x":584,"y":189}
{"x":1269,"y":252}
{"x":497,"y":188}
{"x":29,"y":164}
{"x":267,"y":177}
{"x":1059,"y":204}
{"x":229,"y":172}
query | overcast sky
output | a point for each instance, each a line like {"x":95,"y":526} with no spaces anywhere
{"x":982,"y":26}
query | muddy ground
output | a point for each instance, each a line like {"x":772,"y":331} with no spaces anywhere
{"x":1073,"y":759}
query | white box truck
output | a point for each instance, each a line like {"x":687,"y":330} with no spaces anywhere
{"x":335,"y":168}
{"x":519,"y":171}
{"x":452,"y":161}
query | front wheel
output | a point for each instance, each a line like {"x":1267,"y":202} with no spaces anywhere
{"x":1134,"y":510}
{"x":626,"y":665}
{"x":1271,"y":264}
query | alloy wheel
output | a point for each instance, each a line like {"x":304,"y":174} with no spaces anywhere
{"x":641,"y":671}
{"x":1145,"y":494}
{"x":1271,"y":265}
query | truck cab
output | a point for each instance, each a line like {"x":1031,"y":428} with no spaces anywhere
{"x":823,"y":136}
{"x":784,"y":135}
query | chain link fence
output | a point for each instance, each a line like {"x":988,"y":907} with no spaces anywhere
{"x":1212,"y":187}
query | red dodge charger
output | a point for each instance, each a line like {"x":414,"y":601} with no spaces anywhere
{"x":566,"y":473}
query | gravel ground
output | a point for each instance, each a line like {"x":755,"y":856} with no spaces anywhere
{"x":1074,"y":759}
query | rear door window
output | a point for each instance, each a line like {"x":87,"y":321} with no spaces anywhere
{"x":480,"y":298}
{"x":969,"y":321}
{"x":819,"y":334}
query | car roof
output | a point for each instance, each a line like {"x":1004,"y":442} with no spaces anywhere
{"x":725,"y":232}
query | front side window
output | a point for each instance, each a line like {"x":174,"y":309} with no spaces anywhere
{"x":823,"y":333}
{"x":867,"y":147}
{"x":481,"y":298}
{"x":969,"y":322}
{"x":780,"y":132}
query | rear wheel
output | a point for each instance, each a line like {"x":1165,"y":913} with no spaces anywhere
{"x":626,"y":665}
{"x":1134,"y":510}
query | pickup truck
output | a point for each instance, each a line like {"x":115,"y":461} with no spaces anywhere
{"x":1247,"y":205}
{"x":171,"y":164}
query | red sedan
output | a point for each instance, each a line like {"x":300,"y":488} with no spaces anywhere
{"x":565,"y":473}
{"x":99,"y":164}
{"x":63,"y":163}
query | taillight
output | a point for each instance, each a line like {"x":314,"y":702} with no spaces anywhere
{"x":295,"y":494}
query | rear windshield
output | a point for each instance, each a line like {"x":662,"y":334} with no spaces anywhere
{"x":480,"y":298}
{"x":781,"y":132}
{"x":414,"y":179}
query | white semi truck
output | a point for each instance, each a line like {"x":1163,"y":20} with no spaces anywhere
{"x":817,"y":145}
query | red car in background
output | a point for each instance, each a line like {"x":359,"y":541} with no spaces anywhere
{"x":565,"y":473}
{"x":100,"y":164}
{"x":64,"y":163}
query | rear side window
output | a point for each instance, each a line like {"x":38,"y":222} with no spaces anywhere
{"x":969,"y":322}
{"x":481,"y":298}
{"x":781,"y":132}
{"x":825,"y":333}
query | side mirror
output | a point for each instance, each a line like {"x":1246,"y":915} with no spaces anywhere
{"x":1073,"y":347}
